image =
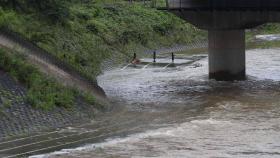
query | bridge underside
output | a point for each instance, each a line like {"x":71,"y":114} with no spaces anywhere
{"x":227,"y":19}
{"x":224,"y":4}
{"x":226,"y":33}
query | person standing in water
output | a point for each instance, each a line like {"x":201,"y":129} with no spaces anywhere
{"x":135,"y":60}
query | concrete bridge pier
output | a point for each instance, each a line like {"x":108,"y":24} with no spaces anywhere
{"x":226,"y":21}
{"x":227,"y":55}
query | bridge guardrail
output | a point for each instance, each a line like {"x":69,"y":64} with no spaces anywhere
{"x":223,"y":4}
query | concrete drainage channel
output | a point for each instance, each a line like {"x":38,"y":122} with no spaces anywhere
{"x":164,"y":63}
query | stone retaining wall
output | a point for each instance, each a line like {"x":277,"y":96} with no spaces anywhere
{"x":17,"y":117}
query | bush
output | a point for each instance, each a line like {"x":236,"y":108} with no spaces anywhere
{"x":55,"y":10}
{"x":8,"y":17}
{"x":42,"y":92}
{"x":89,"y":98}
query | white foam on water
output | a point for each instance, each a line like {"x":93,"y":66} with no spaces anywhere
{"x":175,"y":131}
{"x":263,"y":64}
{"x":144,"y":67}
{"x":165,"y":60}
{"x":209,"y":137}
{"x":271,"y":37}
{"x":47,"y":155}
{"x":126,"y":66}
{"x":210,"y":122}
{"x":167,"y":66}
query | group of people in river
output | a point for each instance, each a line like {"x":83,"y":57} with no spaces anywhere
{"x":135,"y":60}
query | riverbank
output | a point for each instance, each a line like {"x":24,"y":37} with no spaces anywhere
{"x":19,"y":118}
{"x":81,"y":35}
{"x":266,"y":29}
{"x":94,"y":31}
{"x":32,"y":101}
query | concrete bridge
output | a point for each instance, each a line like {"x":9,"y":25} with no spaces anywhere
{"x":226,"y":21}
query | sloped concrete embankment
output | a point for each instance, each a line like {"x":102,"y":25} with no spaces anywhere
{"x":50,"y":64}
{"x":17,"y":117}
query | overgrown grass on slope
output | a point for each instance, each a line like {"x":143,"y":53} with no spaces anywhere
{"x":94,"y":31}
{"x":270,"y":28}
{"x":43,"y":92}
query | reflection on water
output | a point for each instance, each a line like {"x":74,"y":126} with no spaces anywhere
{"x":178,"y":112}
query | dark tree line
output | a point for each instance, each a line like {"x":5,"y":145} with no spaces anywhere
{"x":55,"y":10}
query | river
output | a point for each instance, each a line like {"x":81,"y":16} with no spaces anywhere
{"x":178,"y":112}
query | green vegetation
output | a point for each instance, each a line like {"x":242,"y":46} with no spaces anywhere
{"x":43,"y":92}
{"x":54,"y":10}
{"x":84,"y":33}
{"x":270,"y":28}
{"x":6,"y":102}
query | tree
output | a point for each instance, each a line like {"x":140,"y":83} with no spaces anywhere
{"x":55,"y":10}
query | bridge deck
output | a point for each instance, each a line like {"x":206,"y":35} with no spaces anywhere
{"x":223,"y":4}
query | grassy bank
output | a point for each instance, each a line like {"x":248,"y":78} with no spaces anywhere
{"x":42,"y":91}
{"x":84,"y":34}
{"x":271,"y":28}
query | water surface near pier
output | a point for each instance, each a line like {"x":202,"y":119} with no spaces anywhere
{"x":178,"y":112}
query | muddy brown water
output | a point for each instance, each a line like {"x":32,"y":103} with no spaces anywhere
{"x":178,"y":112}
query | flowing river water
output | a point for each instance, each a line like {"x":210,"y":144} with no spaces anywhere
{"x":178,"y":112}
